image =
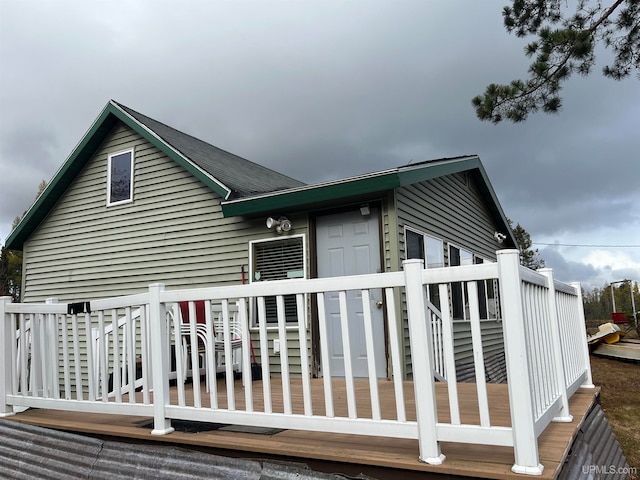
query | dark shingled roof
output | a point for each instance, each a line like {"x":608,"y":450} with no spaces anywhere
{"x":242,"y":176}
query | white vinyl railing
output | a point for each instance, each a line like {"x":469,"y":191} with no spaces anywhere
{"x":435,"y":318}
{"x":52,"y":360}
{"x":120,"y":338}
{"x":124,"y":343}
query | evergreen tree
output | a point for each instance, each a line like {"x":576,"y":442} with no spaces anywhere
{"x":11,"y":273}
{"x":11,"y":261}
{"x":529,"y":257}
{"x":598,"y":304}
{"x":565,"y":44}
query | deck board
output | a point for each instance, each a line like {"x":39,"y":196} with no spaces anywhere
{"x":400,"y":455}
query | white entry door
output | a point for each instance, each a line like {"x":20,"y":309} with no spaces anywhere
{"x":349,"y":244}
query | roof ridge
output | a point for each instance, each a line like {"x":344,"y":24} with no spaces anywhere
{"x":129,"y":109}
{"x":434,"y":160}
{"x":193,"y":137}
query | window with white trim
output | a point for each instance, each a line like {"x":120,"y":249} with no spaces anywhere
{"x":487,"y":299}
{"x":459,"y":291}
{"x":278,"y":259}
{"x":488,"y":295}
{"x":120,"y":177}
{"x":430,"y":250}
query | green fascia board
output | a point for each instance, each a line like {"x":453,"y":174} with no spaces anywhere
{"x":81,"y":154}
{"x":170,"y":152}
{"x":311,"y":195}
{"x":486,"y":190}
{"x":419,"y":173}
{"x":470,"y":164}
{"x":477,"y":171}
{"x":362,"y":185}
{"x":373,"y":183}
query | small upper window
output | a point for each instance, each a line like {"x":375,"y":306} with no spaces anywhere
{"x":120,"y":178}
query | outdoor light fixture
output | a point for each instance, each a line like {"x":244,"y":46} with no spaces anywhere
{"x":365,"y":210}
{"x":500,"y":237}
{"x":272,"y":222}
{"x":282,"y":224}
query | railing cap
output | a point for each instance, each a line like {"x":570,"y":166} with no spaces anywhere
{"x":508,"y":251}
{"x":412,"y":261}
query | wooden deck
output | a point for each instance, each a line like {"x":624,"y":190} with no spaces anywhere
{"x":349,"y":454}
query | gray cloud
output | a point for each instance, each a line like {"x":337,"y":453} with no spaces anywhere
{"x":320,"y":90}
{"x":27,"y":156}
{"x":570,"y":271}
{"x":588,"y":275}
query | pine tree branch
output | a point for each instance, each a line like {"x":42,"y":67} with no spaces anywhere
{"x":517,"y":100}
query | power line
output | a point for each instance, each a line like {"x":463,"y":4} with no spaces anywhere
{"x":588,"y":245}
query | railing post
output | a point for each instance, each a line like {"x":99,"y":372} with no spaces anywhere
{"x":51,"y":350}
{"x":525,"y":442}
{"x":159,"y":360}
{"x":588,"y":383}
{"x":563,"y":415}
{"x":421,"y":357}
{"x":8,"y":363}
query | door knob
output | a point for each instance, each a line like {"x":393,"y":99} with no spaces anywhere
{"x":379,"y":304}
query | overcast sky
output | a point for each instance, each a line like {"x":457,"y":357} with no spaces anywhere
{"x":321,"y":90}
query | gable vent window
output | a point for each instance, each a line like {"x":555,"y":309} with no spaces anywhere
{"x":279,"y":259}
{"x":120,"y":178}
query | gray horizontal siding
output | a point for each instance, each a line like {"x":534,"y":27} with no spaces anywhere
{"x":492,"y":340}
{"x":293,"y":346}
{"x":173,"y":232}
{"x":449,"y":208}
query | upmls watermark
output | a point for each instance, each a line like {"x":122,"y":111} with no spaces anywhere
{"x":608,"y":470}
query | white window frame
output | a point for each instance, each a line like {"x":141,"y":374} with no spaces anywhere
{"x":130,"y":151}
{"x":463,"y":287}
{"x":425,"y":238}
{"x":406,"y":248}
{"x":465,"y":305}
{"x":492,"y":313}
{"x":253,"y":313}
{"x":432,"y":292}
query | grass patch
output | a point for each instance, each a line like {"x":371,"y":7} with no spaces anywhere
{"x":620,"y":399}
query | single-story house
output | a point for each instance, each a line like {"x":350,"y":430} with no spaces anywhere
{"x":138,"y":202}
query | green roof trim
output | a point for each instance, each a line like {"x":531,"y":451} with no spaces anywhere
{"x":370,"y":184}
{"x":288,"y":193}
{"x":310,"y":195}
{"x":82,"y":153}
{"x":349,"y":187}
{"x":173,"y":154}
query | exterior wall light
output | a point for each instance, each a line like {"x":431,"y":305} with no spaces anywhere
{"x":282,"y":224}
{"x":500,"y":237}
